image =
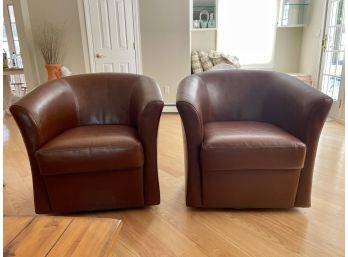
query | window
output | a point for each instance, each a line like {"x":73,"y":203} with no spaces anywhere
{"x":10,"y":36}
{"x":247,"y":29}
{"x":5,"y":42}
{"x":16,"y":80}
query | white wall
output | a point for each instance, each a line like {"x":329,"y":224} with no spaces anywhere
{"x":288,"y":50}
{"x":59,"y":12}
{"x":165,"y":42}
{"x":203,"y":40}
{"x":311,"y":40}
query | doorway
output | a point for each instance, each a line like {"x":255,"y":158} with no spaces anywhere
{"x":113,"y":35}
{"x":332,"y":77}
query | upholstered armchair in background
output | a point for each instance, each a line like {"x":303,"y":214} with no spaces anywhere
{"x":92,"y":142}
{"x":250,"y":138}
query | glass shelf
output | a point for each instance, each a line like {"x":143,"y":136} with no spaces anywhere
{"x":293,"y":13}
{"x":296,"y":4}
{"x":203,"y":29}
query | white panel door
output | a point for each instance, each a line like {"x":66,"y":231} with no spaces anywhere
{"x":112,"y":36}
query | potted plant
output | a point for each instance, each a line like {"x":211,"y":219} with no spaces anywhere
{"x":50,"y":40}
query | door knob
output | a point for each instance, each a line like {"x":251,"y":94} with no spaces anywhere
{"x":99,"y":55}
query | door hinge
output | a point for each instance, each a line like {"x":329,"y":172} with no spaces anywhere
{"x":340,"y":104}
{"x":324,"y":42}
{"x":134,"y":45}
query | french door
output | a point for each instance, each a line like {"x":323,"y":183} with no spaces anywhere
{"x":333,"y":57}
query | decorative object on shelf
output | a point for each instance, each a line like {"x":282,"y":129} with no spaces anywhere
{"x":65,"y":71}
{"x":204,"y":18}
{"x":50,"y":41}
{"x":4,"y":59}
{"x":204,"y":11}
{"x":53,"y":71}
{"x":196,"y":24}
{"x":212,"y":22}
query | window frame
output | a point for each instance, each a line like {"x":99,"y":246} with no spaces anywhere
{"x":8,"y":27}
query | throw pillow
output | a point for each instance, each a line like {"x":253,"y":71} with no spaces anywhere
{"x":216,"y":57}
{"x":205,"y":61}
{"x":233,"y":60}
{"x":196,"y":63}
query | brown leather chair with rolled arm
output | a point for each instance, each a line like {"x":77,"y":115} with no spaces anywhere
{"x":250,"y":138}
{"x":92,"y":142}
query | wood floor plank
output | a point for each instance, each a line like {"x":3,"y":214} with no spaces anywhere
{"x":13,"y":226}
{"x":87,"y":237}
{"x":121,"y":249}
{"x":172,"y":229}
{"x":38,"y":238}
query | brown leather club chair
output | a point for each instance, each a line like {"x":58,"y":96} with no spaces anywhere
{"x":91,"y":141}
{"x":250,"y":138}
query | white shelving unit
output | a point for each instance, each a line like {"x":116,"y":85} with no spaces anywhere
{"x":204,"y":29}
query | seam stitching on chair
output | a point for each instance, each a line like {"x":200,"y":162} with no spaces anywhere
{"x":82,"y":148}
{"x":195,"y":110}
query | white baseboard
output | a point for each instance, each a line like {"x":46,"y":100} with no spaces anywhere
{"x":170,"y":109}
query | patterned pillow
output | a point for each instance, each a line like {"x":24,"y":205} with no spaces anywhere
{"x":205,"y":61}
{"x":233,"y":60}
{"x":216,"y":57}
{"x":195,"y":62}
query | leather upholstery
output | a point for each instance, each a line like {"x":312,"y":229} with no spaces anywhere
{"x":296,"y":111}
{"x":88,"y":112}
{"x":247,"y":145}
{"x":91,"y":149}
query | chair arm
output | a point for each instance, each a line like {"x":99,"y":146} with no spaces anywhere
{"x":193,"y":105}
{"x":302,"y":111}
{"x":41,"y":115}
{"x":145,"y":110}
{"x":44,"y":113}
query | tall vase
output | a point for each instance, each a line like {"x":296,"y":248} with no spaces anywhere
{"x":53,"y":71}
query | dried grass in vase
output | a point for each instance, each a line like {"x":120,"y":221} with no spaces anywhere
{"x":49,"y":39}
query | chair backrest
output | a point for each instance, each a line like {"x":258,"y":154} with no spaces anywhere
{"x":237,"y":94}
{"x":103,"y":98}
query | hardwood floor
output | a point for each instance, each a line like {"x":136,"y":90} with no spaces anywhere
{"x":172,"y":229}
{"x":54,"y":236}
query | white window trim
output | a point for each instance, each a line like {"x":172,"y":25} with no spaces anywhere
{"x":8,"y":28}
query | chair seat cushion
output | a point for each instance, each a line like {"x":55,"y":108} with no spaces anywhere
{"x":91,"y":148}
{"x":242,"y":145}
